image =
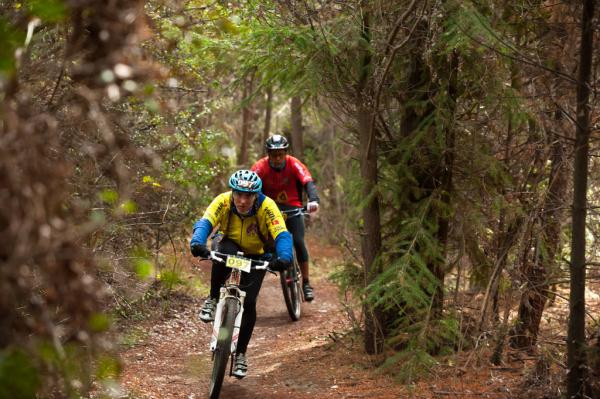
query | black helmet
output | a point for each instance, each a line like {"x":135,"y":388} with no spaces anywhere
{"x":276,"y":142}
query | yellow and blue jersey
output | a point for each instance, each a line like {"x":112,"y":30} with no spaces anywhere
{"x":251,"y":231}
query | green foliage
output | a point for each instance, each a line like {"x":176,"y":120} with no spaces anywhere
{"x":19,"y":378}
{"x":10,"y":39}
{"x":109,"y":196}
{"x":195,"y":156}
{"x":133,"y":336}
{"x":128,"y":207}
{"x":170,"y":279}
{"x":197,"y":163}
{"x":470,"y":30}
{"x":238,"y":42}
{"x":420,"y":341}
{"x":99,"y":322}
{"x":48,"y":10}
{"x":97,"y":216}
{"x":471,"y":20}
{"x":201,"y":51}
{"x":107,"y":367}
{"x":349,"y":277}
{"x":142,"y":265}
{"x":415,"y":363}
{"x":70,"y":362}
{"x":283,"y":55}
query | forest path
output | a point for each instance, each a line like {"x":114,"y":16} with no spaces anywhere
{"x":312,"y":358}
{"x":303,"y":359}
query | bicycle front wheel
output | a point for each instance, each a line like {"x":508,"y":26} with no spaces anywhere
{"x":223,"y":349}
{"x":290,"y":285}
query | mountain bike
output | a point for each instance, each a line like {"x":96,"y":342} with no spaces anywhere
{"x":228,"y":316}
{"x":291,"y":279}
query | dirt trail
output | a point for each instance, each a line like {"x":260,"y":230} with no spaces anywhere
{"x":169,"y":358}
{"x":286,"y":359}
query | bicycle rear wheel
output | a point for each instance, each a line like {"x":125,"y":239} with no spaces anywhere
{"x":292,"y":292}
{"x":223,"y":349}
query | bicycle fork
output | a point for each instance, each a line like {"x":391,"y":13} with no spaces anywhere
{"x":239,"y":296}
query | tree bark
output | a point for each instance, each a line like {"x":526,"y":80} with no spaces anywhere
{"x":246,"y":121}
{"x":371,"y":234}
{"x":297,"y":128}
{"x":268,"y":115}
{"x":533,"y":299}
{"x":437,"y":268}
{"x":576,"y":348}
{"x":434,"y":175}
{"x":547,"y":244}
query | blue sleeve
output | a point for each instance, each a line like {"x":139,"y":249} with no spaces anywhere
{"x":283,"y":246}
{"x":202,"y":229}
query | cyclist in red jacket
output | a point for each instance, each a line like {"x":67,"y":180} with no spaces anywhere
{"x":284,"y":179}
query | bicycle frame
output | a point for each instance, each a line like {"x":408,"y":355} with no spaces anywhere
{"x":230,"y":290}
{"x":291,"y":279}
{"x":228,"y":316}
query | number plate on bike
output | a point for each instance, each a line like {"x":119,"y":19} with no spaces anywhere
{"x":239,"y":263}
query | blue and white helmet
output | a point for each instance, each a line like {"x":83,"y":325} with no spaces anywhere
{"x":246,"y":181}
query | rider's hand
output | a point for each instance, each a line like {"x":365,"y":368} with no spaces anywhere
{"x":200,"y":250}
{"x":279,"y":265}
{"x":312,"y":206}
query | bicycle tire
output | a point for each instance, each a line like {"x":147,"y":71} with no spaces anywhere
{"x":223,"y":350}
{"x":292,"y":292}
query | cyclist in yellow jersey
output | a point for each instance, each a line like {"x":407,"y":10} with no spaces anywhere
{"x":245,"y":220}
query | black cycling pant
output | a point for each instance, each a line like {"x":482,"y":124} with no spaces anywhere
{"x":295,"y":226}
{"x":250,"y":283}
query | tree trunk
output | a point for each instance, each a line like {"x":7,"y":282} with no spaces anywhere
{"x":337,"y":196}
{"x":297,"y":128}
{"x":246,"y":121}
{"x":433,"y":172}
{"x":505,"y":241}
{"x":547,"y":244}
{"x":503,"y":235}
{"x":533,"y":299}
{"x":371,"y":234}
{"x":268,"y":115}
{"x":437,"y":268}
{"x":576,"y":359}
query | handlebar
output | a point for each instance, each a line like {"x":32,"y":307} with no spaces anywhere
{"x":255,"y":264}
{"x":292,"y":213}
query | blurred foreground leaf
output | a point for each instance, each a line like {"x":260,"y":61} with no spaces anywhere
{"x":48,"y":10}
{"x":18,"y":377}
